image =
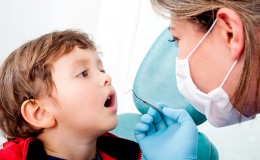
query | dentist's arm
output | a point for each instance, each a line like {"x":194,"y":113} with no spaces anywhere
{"x":170,"y":136}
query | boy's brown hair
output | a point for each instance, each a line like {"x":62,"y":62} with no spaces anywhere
{"x":26,"y":75}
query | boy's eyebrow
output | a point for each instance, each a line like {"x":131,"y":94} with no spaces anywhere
{"x":80,"y":61}
{"x":84,"y":61}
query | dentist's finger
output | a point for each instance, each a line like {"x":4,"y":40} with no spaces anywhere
{"x":157,"y":119}
{"x":168,"y":121}
{"x":179,"y":115}
{"x":148,"y":119}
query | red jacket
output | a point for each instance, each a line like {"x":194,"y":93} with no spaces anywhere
{"x":109,"y":147}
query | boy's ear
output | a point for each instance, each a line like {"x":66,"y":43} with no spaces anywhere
{"x":232,"y":30}
{"x":37,"y":116}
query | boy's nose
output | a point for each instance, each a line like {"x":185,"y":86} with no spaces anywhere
{"x":106,"y":80}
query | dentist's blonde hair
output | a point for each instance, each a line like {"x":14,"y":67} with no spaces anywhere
{"x":203,"y":12}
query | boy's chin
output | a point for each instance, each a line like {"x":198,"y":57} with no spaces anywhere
{"x":114,"y":125}
{"x":111,"y":125}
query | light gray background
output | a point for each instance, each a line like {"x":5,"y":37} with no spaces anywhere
{"x":125,"y":30}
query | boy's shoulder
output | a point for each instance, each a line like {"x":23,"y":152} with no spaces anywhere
{"x":117,"y":147}
{"x":109,"y":146}
{"x":18,"y":149}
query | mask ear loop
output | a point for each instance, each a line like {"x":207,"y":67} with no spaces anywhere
{"x":144,"y":101}
{"x":234,"y":64}
{"x":210,"y":29}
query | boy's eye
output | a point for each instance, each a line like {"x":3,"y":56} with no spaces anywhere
{"x":83,"y":74}
{"x":102,"y":70}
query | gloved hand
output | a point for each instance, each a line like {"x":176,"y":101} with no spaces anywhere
{"x":170,"y":136}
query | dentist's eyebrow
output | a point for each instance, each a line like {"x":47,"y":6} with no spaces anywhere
{"x":171,"y":28}
{"x":144,"y":101}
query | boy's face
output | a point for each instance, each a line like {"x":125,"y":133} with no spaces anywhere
{"x":86,"y":98}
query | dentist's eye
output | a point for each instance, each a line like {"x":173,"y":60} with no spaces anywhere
{"x":171,"y":40}
{"x":83,"y":74}
{"x":174,"y":39}
{"x":102,"y":70}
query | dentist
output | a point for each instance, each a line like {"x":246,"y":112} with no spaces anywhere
{"x":217,"y":71}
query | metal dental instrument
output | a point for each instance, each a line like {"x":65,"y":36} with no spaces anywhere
{"x":149,"y":104}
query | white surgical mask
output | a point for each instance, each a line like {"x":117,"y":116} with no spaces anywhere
{"x":215,"y":105}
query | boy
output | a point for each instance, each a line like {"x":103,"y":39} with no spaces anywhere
{"x":57,"y":102}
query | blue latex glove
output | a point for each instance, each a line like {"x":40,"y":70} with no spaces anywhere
{"x":170,"y":136}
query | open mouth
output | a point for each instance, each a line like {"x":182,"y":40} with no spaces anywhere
{"x":110,"y":101}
